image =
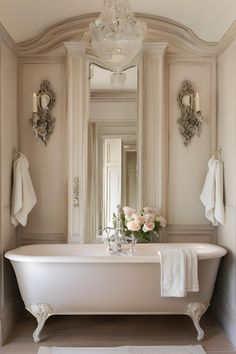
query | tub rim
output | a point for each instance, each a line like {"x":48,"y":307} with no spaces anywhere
{"x":22,"y":254}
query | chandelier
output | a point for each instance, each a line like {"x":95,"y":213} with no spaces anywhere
{"x":117,"y":37}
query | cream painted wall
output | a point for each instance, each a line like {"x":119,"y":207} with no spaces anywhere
{"x":47,"y":221}
{"x":225,"y":295}
{"x":188,"y":164}
{"x":8,"y":140}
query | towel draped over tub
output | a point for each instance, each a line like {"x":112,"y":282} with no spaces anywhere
{"x":179,"y":272}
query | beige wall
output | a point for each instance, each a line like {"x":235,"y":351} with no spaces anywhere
{"x":47,"y":221}
{"x":225,"y":295}
{"x":8,"y":140}
{"x":188,"y":164}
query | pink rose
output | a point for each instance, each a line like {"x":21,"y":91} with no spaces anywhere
{"x":133,"y":226}
{"x":148,"y":227}
{"x":128,"y":211}
{"x":149,"y":217}
{"x":138,"y":219}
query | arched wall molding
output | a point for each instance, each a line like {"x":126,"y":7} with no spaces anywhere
{"x":179,"y":37}
{"x":228,"y":38}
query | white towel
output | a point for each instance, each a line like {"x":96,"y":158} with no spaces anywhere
{"x":23,"y":195}
{"x":191,"y":269}
{"x":212,"y":193}
{"x":179,"y":272}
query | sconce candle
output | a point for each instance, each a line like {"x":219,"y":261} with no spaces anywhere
{"x":35,"y":103}
{"x":197,"y":102}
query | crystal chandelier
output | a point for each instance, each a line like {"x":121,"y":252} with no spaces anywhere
{"x":117,"y":37}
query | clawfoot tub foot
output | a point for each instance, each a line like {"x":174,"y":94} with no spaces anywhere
{"x":195,"y":310}
{"x":41,"y":312}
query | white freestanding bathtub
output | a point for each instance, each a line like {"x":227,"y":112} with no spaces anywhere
{"x":84,"y":279}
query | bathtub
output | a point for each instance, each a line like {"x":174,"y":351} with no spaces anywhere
{"x":84,"y":279}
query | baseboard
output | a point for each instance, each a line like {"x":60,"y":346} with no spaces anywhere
{"x":226,"y":315}
{"x":10,"y":314}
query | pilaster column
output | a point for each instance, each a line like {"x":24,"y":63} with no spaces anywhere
{"x":77,"y":118}
{"x":155,"y":142}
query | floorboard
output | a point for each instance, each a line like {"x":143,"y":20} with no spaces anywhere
{"x":103,"y":331}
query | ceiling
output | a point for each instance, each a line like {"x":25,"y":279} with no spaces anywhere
{"x":209,"y":19}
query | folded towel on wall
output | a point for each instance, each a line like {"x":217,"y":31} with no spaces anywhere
{"x":23,"y":195}
{"x":179,"y":272}
{"x":212,"y":193}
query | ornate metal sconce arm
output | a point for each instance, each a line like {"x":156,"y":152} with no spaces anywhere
{"x":42,"y":122}
{"x":191,"y":118}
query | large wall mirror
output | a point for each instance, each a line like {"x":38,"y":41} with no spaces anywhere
{"x":113,"y":145}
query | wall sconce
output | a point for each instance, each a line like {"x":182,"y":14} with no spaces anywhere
{"x":191,"y":116}
{"x":42,"y":122}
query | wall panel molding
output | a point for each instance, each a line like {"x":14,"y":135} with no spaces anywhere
{"x":42,"y":60}
{"x":34,"y":238}
{"x":171,"y":234}
{"x":113,"y":96}
{"x":189,"y":233}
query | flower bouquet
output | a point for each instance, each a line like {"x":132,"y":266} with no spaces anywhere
{"x":143,"y":224}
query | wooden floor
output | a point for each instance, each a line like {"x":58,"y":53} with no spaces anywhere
{"x":103,"y":331}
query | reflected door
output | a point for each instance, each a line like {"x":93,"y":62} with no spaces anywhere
{"x":112,"y":174}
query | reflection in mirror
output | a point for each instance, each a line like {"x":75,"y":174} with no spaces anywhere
{"x":112,"y":145}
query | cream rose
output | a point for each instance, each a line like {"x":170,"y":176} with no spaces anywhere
{"x":162,"y":221}
{"x":133,"y":226}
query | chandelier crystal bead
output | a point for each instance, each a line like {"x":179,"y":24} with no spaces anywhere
{"x":117,"y":37}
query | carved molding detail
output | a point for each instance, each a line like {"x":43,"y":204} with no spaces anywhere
{"x":41,"y":312}
{"x":195,"y":310}
{"x":76,"y":191}
{"x":77,"y":29}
